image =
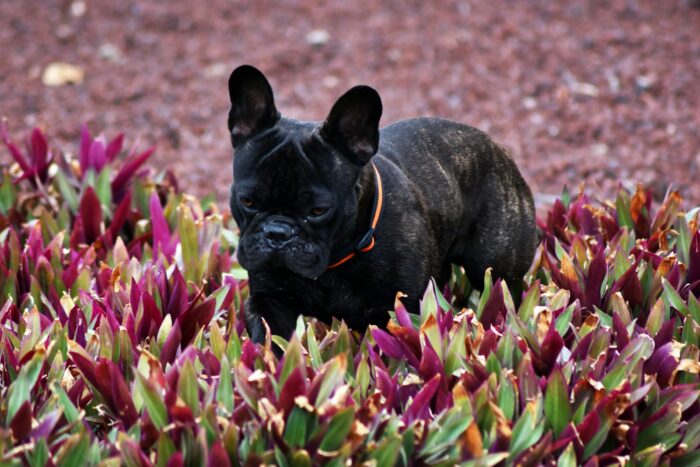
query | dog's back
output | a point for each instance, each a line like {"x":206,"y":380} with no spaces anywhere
{"x":487,"y":217}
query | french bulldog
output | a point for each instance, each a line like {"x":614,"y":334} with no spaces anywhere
{"x":338,"y":216}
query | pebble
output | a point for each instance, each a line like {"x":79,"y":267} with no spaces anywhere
{"x":60,"y":73}
{"x":318,"y":37}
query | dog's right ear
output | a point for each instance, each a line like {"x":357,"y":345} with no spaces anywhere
{"x":252,"y":103}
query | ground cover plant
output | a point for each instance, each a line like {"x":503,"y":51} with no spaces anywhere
{"x":121,"y":339}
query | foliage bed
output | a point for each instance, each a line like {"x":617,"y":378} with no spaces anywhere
{"x":121,"y":339}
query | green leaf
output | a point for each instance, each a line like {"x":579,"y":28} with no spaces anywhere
{"x":298,"y":427}
{"x":363,"y":377}
{"x":8,"y":193}
{"x":187,"y":387}
{"x":688,"y":459}
{"x":301,"y":458}
{"x":69,"y":410}
{"x":564,"y":320}
{"x":672,"y":297}
{"x":565,"y":197}
{"x":39,"y":455}
{"x":506,"y":397}
{"x":224,"y":391}
{"x":456,"y":354}
{"x":332,"y":376}
{"x":189,"y":243}
{"x":622,"y":206}
{"x":387,"y":451}
{"x":656,"y":317}
{"x":557,"y":408}
{"x":683,"y":240}
{"x":218,"y":344}
{"x":20,"y":389}
{"x":338,"y":429}
{"x":74,"y":450}
{"x":527,"y":307}
{"x":488,"y":460}
{"x":526,"y":432}
{"x":312,"y":344}
{"x":568,"y":457}
{"x":428,"y":304}
{"x":103,"y":189}
{"x":694,"y":308}
{"x":485,"y":294}
{"x":153,"y":400}
{"x":292,"y":359}
{"x":165,"y":449}
{"x":446,"y":430}
{"x":69,"y":195}
{"x":301,"y":326}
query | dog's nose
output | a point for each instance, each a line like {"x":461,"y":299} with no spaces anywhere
{"x":277,"y":234}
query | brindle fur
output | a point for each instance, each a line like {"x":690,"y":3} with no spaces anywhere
{"x":451,"y":195}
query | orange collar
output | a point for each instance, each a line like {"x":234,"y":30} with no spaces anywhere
{"x":366,"y":242}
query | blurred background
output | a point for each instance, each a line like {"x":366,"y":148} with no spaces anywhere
{"x":601,"y":91}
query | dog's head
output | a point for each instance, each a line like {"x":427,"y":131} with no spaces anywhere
{"x":294,"y":188}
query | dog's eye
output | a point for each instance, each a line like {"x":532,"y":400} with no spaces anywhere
{"x":319,"y":211}
{"x":247,"y":202}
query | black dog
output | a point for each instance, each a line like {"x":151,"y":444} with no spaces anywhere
{"x":336,"y":217}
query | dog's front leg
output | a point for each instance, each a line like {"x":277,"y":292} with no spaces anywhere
{"x":280,"y":318}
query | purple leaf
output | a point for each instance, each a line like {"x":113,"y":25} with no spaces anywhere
{"x":694,"y":260}
{"x":489,"y":342}
{"x":121,"y":396}
{"x":674,"y":276}
{"x":40,"y":154}
{"x":294,"y":386}
{"x":581,"y":349}
{"x":388,"y":344}
{"x":98,"y":157}
{"x":127,"y":171}
{"x":21,"y":423}
{"x":589,"y":426}
{"x":171,"y":344}
{"x":386,"y":386}
{"x":14,"y":151}
{"x":402,"y":316}
{"x":549,"y":351}
{"x":420,"y":407}
{"x":45,"y":428}
{"x":430,"y":364}
{"x":177,"y":301}
{"x":196,"y":317}
{"x":596,"y":274}
{"x":409,"y":338}
{"x":218,"y":457}
{"x":114,"y":147}
{"x":495,"y":308}
{"x":622,"y":337}
{"x":630,"y":286}
{"x":665,"y":334}
{"x":86,"y":367}
{"x":90,"y":215}
{"x":160,"y":229}
{"x":249,"y":352}
{"x":176,"y":460}
{"x":84,"y":154}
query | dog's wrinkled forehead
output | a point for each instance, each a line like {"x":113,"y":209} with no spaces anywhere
{"x":285,"y":158}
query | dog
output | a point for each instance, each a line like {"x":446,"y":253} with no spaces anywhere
{"x":336,"y":217}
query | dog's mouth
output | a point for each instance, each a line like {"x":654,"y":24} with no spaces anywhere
{"x":304,"y":258}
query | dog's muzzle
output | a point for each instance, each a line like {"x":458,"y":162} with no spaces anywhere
{"x":278,"y":232}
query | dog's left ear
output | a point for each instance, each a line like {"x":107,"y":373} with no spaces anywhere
{"x":352,"y":126}
{"x":252,"y":103}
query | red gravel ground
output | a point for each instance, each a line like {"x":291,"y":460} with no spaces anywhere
{"x":588,"y":90}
